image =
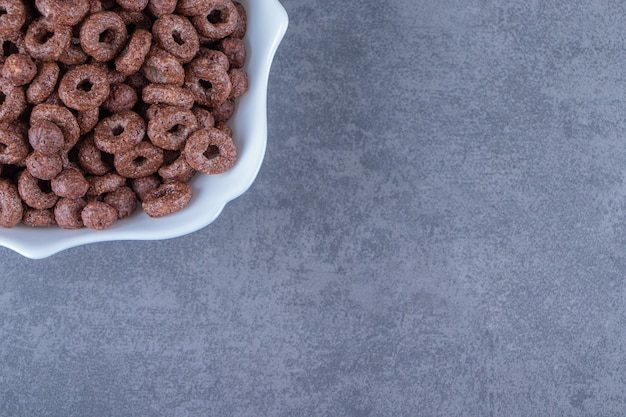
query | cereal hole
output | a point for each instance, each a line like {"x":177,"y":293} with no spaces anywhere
{"x":43,"y":36}
{"x":215,"y":16}
{"x":44,"y":186}
{"x":2,"y":98}
{"x":177,"y":37}
{"x":3,"y":11}
{"x":206,"y":84}
{"x":108,"y":36}
{"x":140,"y":160}
{"x":176,"y":129}
{"x":212,"y":152}
{"x":3,"y":148}
{"x":85,"y":85}
{"x":9,"y":48}
{"x":117,"y":130}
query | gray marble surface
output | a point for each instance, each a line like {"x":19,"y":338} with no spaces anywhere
{"x":438,"y":229}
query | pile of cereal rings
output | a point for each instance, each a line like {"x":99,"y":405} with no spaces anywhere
{"x":108,"y":104}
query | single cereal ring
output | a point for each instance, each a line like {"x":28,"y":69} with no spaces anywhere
{"x":133,"y":5}
{"x":44,"y":167}
{"x":74,"y":54}
{"x":37,"y":194}
{"x":176,"y":35}
{"x":95,"y":6}
{"x":13,"y":145}
{"x":215,"y":57}
{"x":45,"y":137}
{"x":218,"y":19}
{"x":130,"y":60}
{"x":65,"y":12}
{"x":88,"y":119}
{"x":167,"y":199}
{"x":54,"y":99}
{"x":67,"y":213}
{"x":224,"y":111}
{"x":171,"y":126}
{"x":143,"y":160}
{"x":119,"y":132}
{"x":46,"y":41}
{"x":13,"y":18}
{"x":38,"y":218}
{"x":177,"y":171}
{"x":137,"y":81}
{"x":168,"y":94}
{"x":210,"y":151}
{"x":142,"y":186}
{"x":98,"y":215}
{"x":135,"y":20}
{"x":43,"y":84}
{"x":123,"y":200}
{"x":70,"y":183}
{"x":100,"y":184}
{"x":204,"y":117}
{"x":61,"y":117}
{"x":239,"y":82}
{"x":12,"y":101}
{"x":10,"y":204}
{"x":224,"y":128}
{"x":90,"y":158}
{"x":242,"y":22}
{"x":122,"y":98}
{"x":161,"y":7}
{"x":208,"y":81}
{"x":19,"y":69}
{"x":115,"y":77}
{"x":84,"y":87}
{"x":235,"y":50}
{"x":102,"y":35}
{"x":161,"y":67}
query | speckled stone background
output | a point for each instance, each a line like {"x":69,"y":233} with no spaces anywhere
{"x":438,"y":229}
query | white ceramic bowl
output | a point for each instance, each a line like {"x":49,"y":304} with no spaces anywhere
{"x":267,"y":23}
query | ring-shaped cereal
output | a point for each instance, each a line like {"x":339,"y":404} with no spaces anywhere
{"x":88,"y":119}
{"x":141,"y":161}
{"x":142,"y":186}
{"x":177,"y":171}
{"x":238,"y":81}
{"x":130,"y":60}
{"x":214,"y":56}
{"x":65,"y":12}
{"x":45,"y":137}
{"x":98,"y":215}
{"x":73,"y":55}
{"x":84,"y":87}
{"x":38,"y":218}
{"x":210,"y":151}
{"x":43,"y":84}
{"x":133,"y":5}
{"x":224,"y":111}
{"x":161,"y":7}
{"x":13,"y":146}
{"x":123,"y":200}
{"x":171,"y":126}
{"x":208,"y":81}
{"x":204,"y":117}
{"x":119,"y":132}
{"x":218,"y":19}
{"x":13,"y":18}
{"x":67,"y":213}
{"x":90,"y":158}
{"x":167,"y":199}
{"x":171,"y":95}
{"x":109,"y":182}
{"x":122,"y":98}
{"x":242,"y":22}
{"x":35,"y":193}
{"x":46,"y":41}
{"x":70,"y":183}
{"x":61,"y":117}
{"x":12,"y":101}
{"x":176,"y":35}
{"x":42,"y":166}
{"x":19,"y":69}
{"x":103,"y":35}
{"x":10,"y":204}
{"x":161,"y":67}
{"x":235,"y":50}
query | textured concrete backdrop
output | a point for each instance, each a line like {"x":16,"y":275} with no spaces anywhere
{"x":438,"y":230}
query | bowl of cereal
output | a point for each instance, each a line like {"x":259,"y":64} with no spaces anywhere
{"x":178,"y":132}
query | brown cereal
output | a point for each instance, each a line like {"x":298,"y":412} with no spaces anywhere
{"x":210,"y":151}
{"x":135,"y":20}
{"x":12,"y":101}
{"x":142,"y":186}
{"x":38,"y":218}
{"x":19,"y":69}
{"x":171,"y":126}
{"x":98,"y":215}
{"x":73,"y":55}
{"x":239,"y":82}
{"x":167,"y":199}
{"x":208,"y":81}
{"x":60,"y":116}
{"x":223,"y":112}
{"x":123,"y":200}
{"x":144,"y":159}
{"x":235,"y":50}
{"x":105,"y":183}
{"x":64,"y":12}
{"x":122,"y":98}
{"x":102,"y":35}
{"x":133,"y":5}
{"x":204,"y":117}
{"x":84,"y":87}
{"x":161,"y":67}
{"x":35,"y":193}
{"x":168,"y":94}
{"x":95,"y":6}
{"x":10,"y":204}
{"x":161,"y":7}
{"x":13,"y":18}
{"x":45,"y":137}
{"x":177,"y":171}
{"x":137,"y":81}
{"x":42,"y":166}
{"x":176,"y":35}
{"x":13,"y":146}
{"x":119,"y":132}
{"x":88,"y":119}
{"x":242,"y":22}
{"x":90,"y":158}
{"x":215,"y":57}
{"x":130,"y":60}
{"x":115,"y":77}
{"x":67,"y":213}
{"x":46,"y":41}
{"x":70,"y":183}
{"x":224,"y":128}
{"x":43,"y":84}
{"x":217,"y":19}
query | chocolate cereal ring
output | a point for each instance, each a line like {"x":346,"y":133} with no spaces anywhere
{"x":239,"y":82}
{"x":46,"y":41}
{"x":70,"y":183}
{"x":217,"y":20}
{"x":123,"y":200}
{"x":168,"y":94}
{"x":88,"y":119}
{"x":45,"y":137}
{"x":142,"y":186}
{"x":64,"y":12}
{"x":43,"y":84}
{"x":19,"y":69}
{"x":208,"y":81}
{"x":171,"y":126}
{"x":161,"y":67}
{"x":210,"y":151}
{"x":135,"y":20}
{"x":161,"y":7}
{"x":176,"y":35}
{"x":67,"y":213}
{"x":98,"y":215}
{"x":119,"y":132}
{"x":167,"y":199}
{"x":10,"y":204}
{"x":122,"y":98}
{"x":133,"y":5}
{"x":204,"y":117}
{"x":90,"y":158}
{"x":130,"y":60}
{"x":215,"y":57}
{"x":13,"y":17}
{"x":224,"y":111}
{"x":177,"y":171}
{"x":242,"y":22}
{"x":224,"y":128}
{"x":13,"y":146}
{"x":235,"y":50}
{"x":38,"y":218}
{"x":73,"y":55}
{"x":84,"y":87}
{"x":140,"y":161}
{"x":102,"y":35}
{"x":37,"y":194}
{"x":42,"y":166}
{"x":100,"y":184}
{"x":12,"y":101}
{"x":61,"y":117}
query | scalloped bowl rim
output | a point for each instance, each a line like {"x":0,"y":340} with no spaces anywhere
{"x":267,"y":24}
